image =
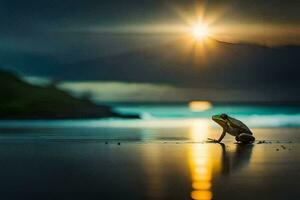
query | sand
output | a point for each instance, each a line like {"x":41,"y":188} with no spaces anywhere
{"x":164,"y":164}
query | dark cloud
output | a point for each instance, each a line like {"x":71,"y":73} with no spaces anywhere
{"x":21,"y":17}
{"x":34,"y":22}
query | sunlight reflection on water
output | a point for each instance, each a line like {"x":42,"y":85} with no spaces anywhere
{"x":208,"y":161}
{"x":200,"y":164}
{"x":199,"y":106}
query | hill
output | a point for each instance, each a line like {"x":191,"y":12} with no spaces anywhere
{"x":219,"y":65}
{"x":20,"y":100}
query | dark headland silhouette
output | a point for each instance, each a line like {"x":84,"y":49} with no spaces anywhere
{"x":20,"y":100}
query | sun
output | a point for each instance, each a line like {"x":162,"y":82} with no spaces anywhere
{"x":200,"y":31}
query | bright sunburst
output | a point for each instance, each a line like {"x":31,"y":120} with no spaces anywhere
{"x":200,"y":31}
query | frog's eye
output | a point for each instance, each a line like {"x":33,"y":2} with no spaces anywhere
{"x":224,"y":116}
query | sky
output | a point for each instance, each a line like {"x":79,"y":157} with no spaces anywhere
{"x":66,"y":28}
{"x":37,"y":37}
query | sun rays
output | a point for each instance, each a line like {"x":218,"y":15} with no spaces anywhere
{"x":199,"y":36}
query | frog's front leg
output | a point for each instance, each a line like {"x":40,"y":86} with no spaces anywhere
{"x":245,"y":138}
{"x":222,"y":136}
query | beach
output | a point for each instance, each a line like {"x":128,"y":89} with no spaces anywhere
{"x":149,"y":100}
{"x":145,"y":160}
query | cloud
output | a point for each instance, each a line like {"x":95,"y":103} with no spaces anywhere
{"x":142,"y":92}
{"x":118,"y":91}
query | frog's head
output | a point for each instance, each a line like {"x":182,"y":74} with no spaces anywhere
{"x":222,"y":120}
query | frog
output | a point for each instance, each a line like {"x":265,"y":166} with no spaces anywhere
{"x":233,"y":127}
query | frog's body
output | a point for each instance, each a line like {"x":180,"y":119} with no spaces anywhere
{"x":234,"y":127}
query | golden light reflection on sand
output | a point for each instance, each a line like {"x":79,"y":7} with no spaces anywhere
{"x":154,"y":172}
{"x":200,"y":163}
{"x":212,"y":160}
{"x":199,"y":130}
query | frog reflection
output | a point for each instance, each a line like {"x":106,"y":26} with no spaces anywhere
{"x":233,"y":162}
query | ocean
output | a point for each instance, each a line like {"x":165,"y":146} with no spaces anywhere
{"x":154,"y":118}
{"x":176,"y":115}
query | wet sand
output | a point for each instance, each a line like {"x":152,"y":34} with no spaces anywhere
{"x":166,"y":164}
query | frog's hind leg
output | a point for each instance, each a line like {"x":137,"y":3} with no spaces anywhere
{"x":245,"y":138}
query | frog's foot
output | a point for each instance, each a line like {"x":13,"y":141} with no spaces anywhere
{"x":210,"y":140}
{"x":245,"y":138}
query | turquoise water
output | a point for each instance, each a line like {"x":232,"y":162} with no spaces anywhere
{"x":183,"y":111}
{"x":177,"y":115}
{"x":254,"y":115}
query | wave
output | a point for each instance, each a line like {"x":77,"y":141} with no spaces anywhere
{"x":254,"y":121}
